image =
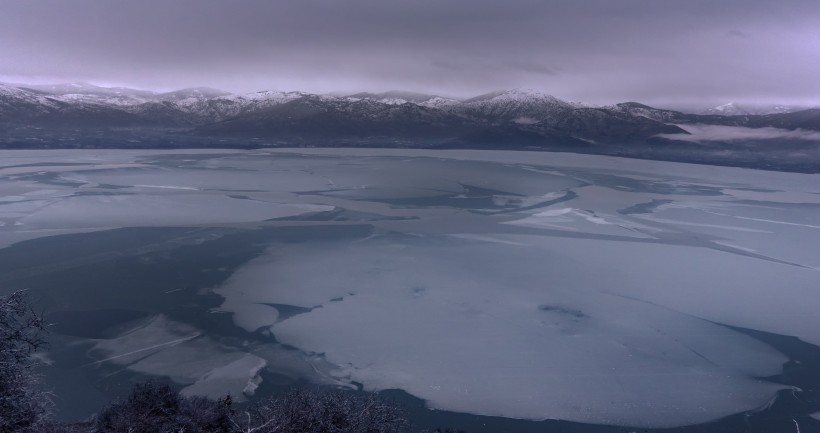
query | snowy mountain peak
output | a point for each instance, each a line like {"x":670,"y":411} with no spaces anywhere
{"x":396,"y":97}
{"x":193,"y":92}
{"x":736,"y":109}
{"x":521,"y":106}
{"x":270,"y":95}
{"x":7,"y":90}
{"x":15,"y":93}
{"x":728,"y":109}
{"x":89,"y":93}
{"x":514,"y":95}
{"x":87,"y":89}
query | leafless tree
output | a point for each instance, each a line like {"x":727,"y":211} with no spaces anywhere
{"x":153,"y":408}
{"x":305,"y":411}
{"x":157,"y":408}
{"x":23,"y":405}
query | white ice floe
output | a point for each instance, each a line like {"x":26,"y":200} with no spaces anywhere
{"x":8,"y":171}
{"x":162,"y":347}
{"x":573,"y":212}
{"x":779,"y":230}
{"x":217,"y":381}
{"x":187,"y":188}
{"x":580,"y":220}
{"x":224,"y":179}
{"x":248,"y":314}
{"x":128,"y":210}
{"x":487,"y":239}
{"x":774,"y":196}
{"x":526,"y":339}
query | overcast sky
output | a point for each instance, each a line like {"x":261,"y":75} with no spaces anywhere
{"x":600,"y":51}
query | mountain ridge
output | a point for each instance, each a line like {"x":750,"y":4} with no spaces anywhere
{"x":81,"y":115}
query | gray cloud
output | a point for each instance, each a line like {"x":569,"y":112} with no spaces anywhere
{"x":602,"y":51}
{"x":533,"y":67}
{"x":735,"y":33}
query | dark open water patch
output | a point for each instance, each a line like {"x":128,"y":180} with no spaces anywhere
{"x":156,"y":270}
{"x":342,"y":214}
{"x":112,"y":278}
{"x":82,"y":387}
{"x":104,"y":323}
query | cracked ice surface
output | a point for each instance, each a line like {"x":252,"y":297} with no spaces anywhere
{"x":526,"y":285}
{"x":598,"y":308}
{"x":518,"y":339}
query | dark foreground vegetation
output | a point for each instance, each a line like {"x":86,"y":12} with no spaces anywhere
{"x":158,"y":408}
{"x":23,"y":406}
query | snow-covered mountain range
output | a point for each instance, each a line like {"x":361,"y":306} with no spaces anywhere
{"x":267,"y":112}
{"x":736,"y":109}
{"x":83,"y":115}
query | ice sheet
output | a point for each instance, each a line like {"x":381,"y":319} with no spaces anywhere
{"x":529,"y":285}
{"x":666,"y":274}
{"x":163,"y":347}
{"x":158,"y":210}
{"x":526,"y":340}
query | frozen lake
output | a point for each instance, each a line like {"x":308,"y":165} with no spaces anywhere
{"x":508,"y":284}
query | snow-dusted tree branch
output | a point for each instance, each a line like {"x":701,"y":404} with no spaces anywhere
{"x":23,"y":406}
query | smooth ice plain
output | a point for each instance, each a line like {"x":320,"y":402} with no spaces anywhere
{"x":514,"y":284}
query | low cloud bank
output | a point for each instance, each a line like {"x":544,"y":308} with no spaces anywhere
{"x":700,"y":132}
